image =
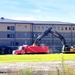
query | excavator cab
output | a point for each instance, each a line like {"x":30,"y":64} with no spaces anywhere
{"x":66,"y":49}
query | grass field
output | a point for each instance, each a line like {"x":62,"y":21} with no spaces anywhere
{"x":36,"y":57}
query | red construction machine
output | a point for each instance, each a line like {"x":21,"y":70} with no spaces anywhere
{"x":34,"y":49}
{"x":25,"y":49}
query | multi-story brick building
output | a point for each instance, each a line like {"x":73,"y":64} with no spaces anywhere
{"x":15,"y":33}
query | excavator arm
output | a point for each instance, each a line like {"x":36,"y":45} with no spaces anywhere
{"x":50,"y":30}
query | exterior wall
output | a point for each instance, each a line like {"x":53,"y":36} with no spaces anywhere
{"x":15,"y":34}
{"x":73,"y":34}
{"x":23,"y":27}
{"x":40,"y":27}
{"x":53,"y":42}
{"x":3,"y":27}
{"x":23,"y":34}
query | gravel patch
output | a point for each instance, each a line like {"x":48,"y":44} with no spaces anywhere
{"x":35,"y":66}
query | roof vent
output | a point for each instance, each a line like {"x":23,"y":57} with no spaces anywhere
{"x":2,"y":18}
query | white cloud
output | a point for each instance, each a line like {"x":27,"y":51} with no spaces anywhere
{"x":37,"y":11}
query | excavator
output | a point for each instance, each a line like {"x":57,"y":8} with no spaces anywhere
{"x":65,"y":48}
{"x":39,"y":49}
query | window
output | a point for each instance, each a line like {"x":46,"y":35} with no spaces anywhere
{"x":12,"y":43}
{"x":34,"y":27}
{"x":58,"y":28}
{"x":12,"y":28}
{"x":73,"y":28}
{"x":38,"y":27}
{"x":73,"y":35}
{"x":65,"y":28}
{"x":17,"y":43}
{"x":46,"y":27}
{"x":12,"y":35}
{"x":62,"y":28}
{"x":8,"y":27}
{"x":25,"y":42}
{"x":42,"y":27}
{"x":25,"y":34}
{"x":23,"y":48}
{"x":34,"y":35}
{"x":38,"y":34}
{"x":25,"y":26}
{"x":8,"y":35}
{"x":69,"y":28}
{"x":54,"y":28}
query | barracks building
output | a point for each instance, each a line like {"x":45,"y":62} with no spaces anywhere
{"x":14,"y":33}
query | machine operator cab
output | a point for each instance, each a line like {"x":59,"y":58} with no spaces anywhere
{"x":21,"y":49}
{"x":66,"y":48}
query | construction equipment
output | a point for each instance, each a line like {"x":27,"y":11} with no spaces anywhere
{"x":68,"y":49}
{"x":44,"y":49}
{"x":25,"y":49}
{"x":65,"y":48}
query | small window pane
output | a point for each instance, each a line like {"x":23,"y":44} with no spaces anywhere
{"x":8,"y":27}
{"x":8,"y":35}
{"x":61,"y":28}
{"x":38,"y":27}
{"x":58,"y":28}
{"x":65,"y":28}
{"x":69,"y":28}
{"x":34,"y":27}
{"x":73,"y":28}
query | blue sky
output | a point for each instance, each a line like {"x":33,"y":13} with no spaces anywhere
{"x":43,"y":10}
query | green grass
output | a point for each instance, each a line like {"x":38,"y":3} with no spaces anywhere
{"x":36,"y":57}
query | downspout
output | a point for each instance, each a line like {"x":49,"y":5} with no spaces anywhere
{"x":71,"y":36}
{"x":32,"y":33}
{"x":15,"y":34}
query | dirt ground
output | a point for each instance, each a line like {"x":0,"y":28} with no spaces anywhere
{"x":35,"y":66}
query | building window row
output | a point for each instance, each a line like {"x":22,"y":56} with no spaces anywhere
{"x":12,"y":28}
{"x":38,"y":34}
{"x":40,"y":28}
{"x":55,"y":28}
{"x":10,"y":35}
{"x":63,"y":28}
